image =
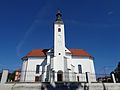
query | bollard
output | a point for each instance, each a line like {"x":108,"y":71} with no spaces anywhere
{"x":4,"y":76}
{"x":113,"y":77}
{"x":88,"y":77}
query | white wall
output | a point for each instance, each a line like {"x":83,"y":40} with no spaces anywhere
{"x":69,"y":60}
{"x":86,"y":63}
{"x":59,"y":47}
{"x":87,"y":66}
{"x":23,"y":71}
{"x":31,"y":69}
{"x":59,"y":40}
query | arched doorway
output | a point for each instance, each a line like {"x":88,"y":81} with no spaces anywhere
{"x":60,"y":75}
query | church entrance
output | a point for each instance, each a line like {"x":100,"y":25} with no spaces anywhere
{"x":59,"y":75}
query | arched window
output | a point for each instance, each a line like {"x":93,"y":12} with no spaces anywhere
{"x":59,"y":29}
{"x":60,"y":75}
{"x":79,"y":68}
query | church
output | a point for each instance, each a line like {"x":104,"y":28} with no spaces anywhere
{"x":58,"y":64}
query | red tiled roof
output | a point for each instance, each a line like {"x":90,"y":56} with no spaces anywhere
{"x":79,"y":52}
{"x":37,"y":53}
{"x":42,"y":52}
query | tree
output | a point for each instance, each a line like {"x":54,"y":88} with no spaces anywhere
{"x":0,"y":76}
{"x":11,"y":76}
{"x":117,"y":72}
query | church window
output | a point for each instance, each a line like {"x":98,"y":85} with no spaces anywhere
{"x":37,"y":69}
{"x":79,"y":68}
{"x":59,"y":30}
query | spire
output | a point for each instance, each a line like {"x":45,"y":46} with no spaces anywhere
{"x":59,"y":17}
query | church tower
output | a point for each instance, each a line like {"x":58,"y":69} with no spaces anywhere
{"x":59,"y":38}
{"x":59,"y":47}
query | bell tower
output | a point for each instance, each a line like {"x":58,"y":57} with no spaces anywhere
{"x":59,"y":46}
{"x":59,"y":37}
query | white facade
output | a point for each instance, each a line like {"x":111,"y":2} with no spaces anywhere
{"x":58,"y":63}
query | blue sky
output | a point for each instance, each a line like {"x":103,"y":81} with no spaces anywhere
{"x":93,"y":25}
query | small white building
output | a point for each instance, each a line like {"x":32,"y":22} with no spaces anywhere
{"x":58,"y":63}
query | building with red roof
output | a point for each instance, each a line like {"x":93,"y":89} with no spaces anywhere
{"x":58,"y":63}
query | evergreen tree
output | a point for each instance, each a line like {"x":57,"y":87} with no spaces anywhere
{"x":117,"y":72}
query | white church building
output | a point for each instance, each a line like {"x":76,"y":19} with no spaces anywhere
{"x":58,"y":63}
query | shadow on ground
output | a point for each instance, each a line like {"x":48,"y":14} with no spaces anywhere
{"x":62,"y":86}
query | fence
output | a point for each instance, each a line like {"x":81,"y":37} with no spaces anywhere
{"x":32,"y":76}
